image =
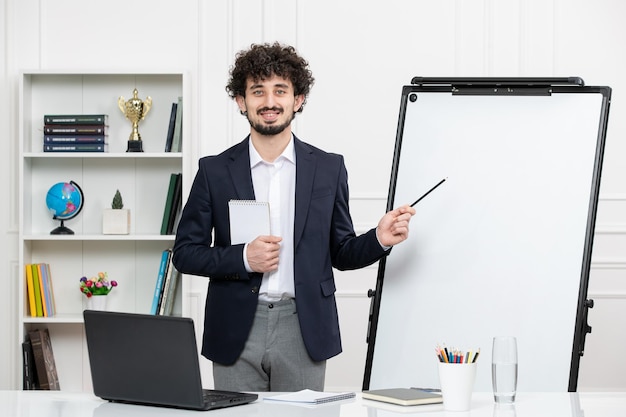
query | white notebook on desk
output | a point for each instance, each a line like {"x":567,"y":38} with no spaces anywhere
{"x":248,"y":220}
{"x":310,"y":397}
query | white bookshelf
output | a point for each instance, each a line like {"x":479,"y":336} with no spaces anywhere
{"x":142,"y":178}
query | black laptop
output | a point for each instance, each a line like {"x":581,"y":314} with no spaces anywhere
{"x":150,"y":360}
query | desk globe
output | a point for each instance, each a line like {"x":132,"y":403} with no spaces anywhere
{"x":64,"y":200}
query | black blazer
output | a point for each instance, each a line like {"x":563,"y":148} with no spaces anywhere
{"x":323,"y":238}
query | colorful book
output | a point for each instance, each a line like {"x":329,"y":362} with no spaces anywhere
{"x":44,"y":359}
{"x":76,"y":119}
{"x":71,"y":138}
{"x":167,"y":282}
{"x":170,"y":130}
{"x":75,"y":129}
{"x":172,"y":290}
{"x":37,"y":290}
{"x":166,"y":277}
{"x":158,"y":288}
{"x":44,"y":274}
{"x":31,"y":290}
{"x":49,"y":276}
{"x":76,"y":147}
{"x":46,"y":294}
{"x":42,"y":289}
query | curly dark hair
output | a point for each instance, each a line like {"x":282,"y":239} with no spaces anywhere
{"x":263,"y":61}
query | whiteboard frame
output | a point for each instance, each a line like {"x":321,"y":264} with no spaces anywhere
{"x":506,"y":87}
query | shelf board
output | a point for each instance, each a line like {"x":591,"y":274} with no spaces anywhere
{"x":134,"y":72}
{"x":99,"y":237}
{"x":104,"y":155}
{"x":58,"y":318}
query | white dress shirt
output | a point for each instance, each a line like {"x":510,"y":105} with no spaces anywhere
{"x":275,"y":182}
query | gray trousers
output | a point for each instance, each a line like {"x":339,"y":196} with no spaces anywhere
{"x":274,"y":358}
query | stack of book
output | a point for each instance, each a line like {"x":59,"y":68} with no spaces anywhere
{"x":75,"y":133}
{"x":39,"y":287}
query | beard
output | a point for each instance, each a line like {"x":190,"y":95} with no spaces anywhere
{"x":269,"y":130}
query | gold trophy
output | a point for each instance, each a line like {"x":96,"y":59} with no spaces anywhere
{"x":135,"y":110}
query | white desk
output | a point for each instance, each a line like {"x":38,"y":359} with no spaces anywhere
{"x":63,"y":404}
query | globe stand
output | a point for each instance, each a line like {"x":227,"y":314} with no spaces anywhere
{"x":62,"y":230}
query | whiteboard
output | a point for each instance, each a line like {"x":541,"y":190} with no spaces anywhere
{"x":502,"y":247}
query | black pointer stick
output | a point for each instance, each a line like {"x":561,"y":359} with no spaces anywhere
{"x":428,"y":192}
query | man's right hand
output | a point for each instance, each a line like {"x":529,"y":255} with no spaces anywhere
{"x":262,"y":253}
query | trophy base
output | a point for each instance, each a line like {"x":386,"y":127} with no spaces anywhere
{"x":135,"y":146}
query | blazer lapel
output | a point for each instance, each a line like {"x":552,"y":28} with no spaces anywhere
{"x":239,"y":169}
{"x":306,"y":165}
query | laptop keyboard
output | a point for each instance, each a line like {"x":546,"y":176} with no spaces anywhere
{"x":211,"y":397}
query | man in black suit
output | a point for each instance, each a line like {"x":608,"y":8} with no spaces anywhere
{"x":271,"y":318}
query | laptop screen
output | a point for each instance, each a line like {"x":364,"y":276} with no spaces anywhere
{"x":151,"y":360}
{"x":143,"y":358}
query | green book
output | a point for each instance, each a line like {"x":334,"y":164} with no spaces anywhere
{"x":176,"y":204}
{"x":37,"y":288}
{"x":169,"y":201}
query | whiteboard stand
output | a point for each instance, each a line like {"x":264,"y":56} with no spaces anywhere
{"x":503,"y":247}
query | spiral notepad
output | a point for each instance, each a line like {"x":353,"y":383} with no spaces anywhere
{"x":248,"y":220}
{"x":308,"y":396}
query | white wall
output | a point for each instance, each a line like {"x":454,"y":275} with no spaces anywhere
{"x":361,"y":53}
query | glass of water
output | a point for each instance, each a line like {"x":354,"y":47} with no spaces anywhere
{"x":504,"y":369}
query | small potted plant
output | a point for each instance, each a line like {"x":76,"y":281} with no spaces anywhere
{"x":116,"y":220}
{"x":96,"y":289}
